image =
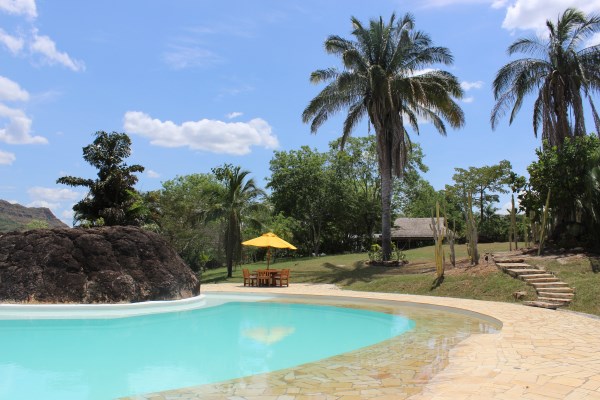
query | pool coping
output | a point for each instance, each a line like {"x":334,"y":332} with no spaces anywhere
{"x":538,"y":354}
{"x":97,"y":311}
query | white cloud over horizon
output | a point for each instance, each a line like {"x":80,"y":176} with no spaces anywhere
{"x":18,"y":128}
{"x":11,"y":91}
{"x":234,"y":114}
{"x":59,"y":200}
{"x":466,"y":86}
{"x":13,"y":43}
{"x":7,"y":158}
{"x":19,"y":7}
{"x":526,"y":14}
{"x":152,"y":174}
{"x":46,"y":47}
{"x":214,"y":136}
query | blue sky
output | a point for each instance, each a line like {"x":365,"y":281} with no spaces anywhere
{"x":197,"y":83}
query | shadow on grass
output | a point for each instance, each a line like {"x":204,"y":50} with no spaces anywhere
{"x":595,"y":262}
{"x":358,"y":272}
{"x":216,"y":278}
{"x":437,"y":282}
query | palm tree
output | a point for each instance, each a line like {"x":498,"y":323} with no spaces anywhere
{"x":385,"y":78}
{"x":563,"y":74}
{"x":234,"y":204}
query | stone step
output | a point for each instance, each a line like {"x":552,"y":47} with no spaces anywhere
{"x":540,"y":279}
{"x":557,"y":284}
{"x":555,"y":295}
{"x":564,"y":289}
{"x":512,"y":265}
{"x":509,"y":260}
{"x":529,"y":277}
{"x":542,"y":304}
{"x":554,"y":300}
{"x":529,"y":271}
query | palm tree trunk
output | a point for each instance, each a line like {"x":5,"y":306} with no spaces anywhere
{"x":386,"y":205}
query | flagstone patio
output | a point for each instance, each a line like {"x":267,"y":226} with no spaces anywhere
{"x":538,"y":354}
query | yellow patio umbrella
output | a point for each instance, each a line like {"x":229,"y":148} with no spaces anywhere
{"x":269,"y":240}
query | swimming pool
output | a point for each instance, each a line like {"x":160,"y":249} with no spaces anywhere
{"x":106,"y":358}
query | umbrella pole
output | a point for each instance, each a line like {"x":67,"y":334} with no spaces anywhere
{"x":268,"y":256}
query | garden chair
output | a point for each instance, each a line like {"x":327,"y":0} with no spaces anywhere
{"x":249,"y":279}
{"x":263,"y":277}
{"x":283,"y":277}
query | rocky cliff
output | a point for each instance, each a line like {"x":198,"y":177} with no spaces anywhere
{"x":16,"y":217}
{"x":97,"y":265}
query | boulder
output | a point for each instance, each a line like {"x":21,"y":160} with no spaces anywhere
{"x":95,"y":265}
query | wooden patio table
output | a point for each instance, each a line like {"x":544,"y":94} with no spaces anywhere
{"x":271,"y":272}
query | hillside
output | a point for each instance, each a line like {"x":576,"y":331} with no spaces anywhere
{"x":16,"y":217}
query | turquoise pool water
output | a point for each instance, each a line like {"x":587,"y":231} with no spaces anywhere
{"x":107,"y":358}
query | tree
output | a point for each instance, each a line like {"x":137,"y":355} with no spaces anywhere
{"x":564,"y":74}
{"x":304,"y":188}
{"x":484,"y":182}
{"x":233,"y":203}
{"x":185,"y":203}
{"x":111,"y":196}
{"x":381,"y":80}
{"x":573,"y":197}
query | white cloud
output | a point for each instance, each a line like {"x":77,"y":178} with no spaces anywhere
{"x":19,"y":7}
{"x":190,"y":56}
{"x":43,"y":203}
{"x":234,"y":114}
{"x":207,"y":135}
{"x":593,"y":40}
{"x":13,"y":201}
{"x":13,"y":43}
{"x":52,"y":195}
{"x":152,"y":174}
{"x":11,"y":91}
{"x":67,"y":216}
{"x":47,"y":48}
{"x":18,"y":128}
{"x":6,"y":158}
{"x":471,"y":85}
{"x":469,"y":99}
{"x":532,"y":14}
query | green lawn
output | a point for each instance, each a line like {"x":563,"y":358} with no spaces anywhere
{"x":350,"y":271}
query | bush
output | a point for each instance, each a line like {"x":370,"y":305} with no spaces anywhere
{"x":376,"y":254}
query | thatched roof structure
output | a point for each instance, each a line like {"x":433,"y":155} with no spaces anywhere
{"x":414,"y":229}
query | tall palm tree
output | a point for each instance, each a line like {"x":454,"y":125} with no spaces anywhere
{"x":563,"y":75}
{"x":234,"y":204}
{"x":385,"y":78}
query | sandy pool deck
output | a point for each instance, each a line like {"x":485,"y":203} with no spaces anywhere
{"x":538,"y":354}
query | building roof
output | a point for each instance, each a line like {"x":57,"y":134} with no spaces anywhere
{"x":414,"y":228}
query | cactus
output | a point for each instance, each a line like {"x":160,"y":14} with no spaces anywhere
{"x":438,"y":237}
{"x":513,"y":223}
{"x":544,"y":222}
{"x":471,"y":231}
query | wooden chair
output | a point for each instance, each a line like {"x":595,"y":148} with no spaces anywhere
{"x":249,"y":279}
{"x":283,"y":277}
{"x":263,"y":277}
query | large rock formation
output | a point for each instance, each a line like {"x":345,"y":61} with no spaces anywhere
{"x":15,"y":217}
{"x":97,"y":265}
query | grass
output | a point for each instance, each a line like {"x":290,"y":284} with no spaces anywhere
{"x":582,"y":274}
{"x":350,"y":271}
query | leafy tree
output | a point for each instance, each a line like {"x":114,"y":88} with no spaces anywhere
{"x":36,"y":224}
{"x":380,"y":81}
{"x":233,"y":203}
{"x":112,"y":195}
{"x":568,"y":173}
{"x":564,"y":74}
{"x":184,"y":204}
{"x":484,"y":182}
{"x":302,"y":189}
{"x":358,"y":213}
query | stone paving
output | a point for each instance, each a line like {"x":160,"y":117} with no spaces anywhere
{"x":537,"y":354}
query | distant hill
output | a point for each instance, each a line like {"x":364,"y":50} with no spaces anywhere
{"x":15,"y":217}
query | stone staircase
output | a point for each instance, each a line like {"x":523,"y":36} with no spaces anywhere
{"x":551,"y":292}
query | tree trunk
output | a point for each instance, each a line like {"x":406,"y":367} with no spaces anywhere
{"x":386,"y":206}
